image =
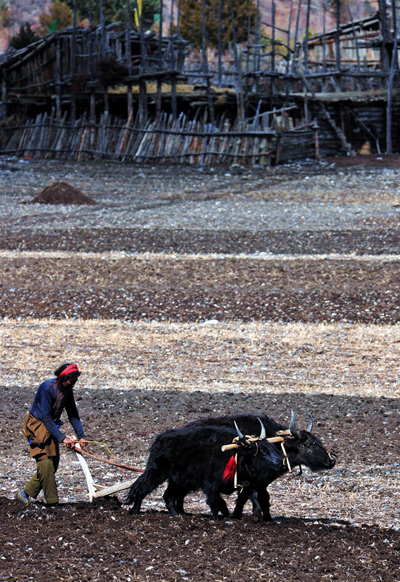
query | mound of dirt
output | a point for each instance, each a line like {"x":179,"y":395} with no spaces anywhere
{"x":62,"y":193}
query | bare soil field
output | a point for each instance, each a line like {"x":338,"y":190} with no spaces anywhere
{"x":188,"y":292}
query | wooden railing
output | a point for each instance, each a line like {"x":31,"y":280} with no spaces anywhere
{"x":165,"y":140}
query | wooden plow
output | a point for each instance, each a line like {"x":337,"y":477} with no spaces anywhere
{"x":96,"y":490}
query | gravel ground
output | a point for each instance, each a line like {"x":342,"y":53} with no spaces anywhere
{"x":313,"y":208}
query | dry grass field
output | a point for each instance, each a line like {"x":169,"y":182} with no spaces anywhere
{"x":185,"y":293}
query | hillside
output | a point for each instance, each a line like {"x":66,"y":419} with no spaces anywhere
{"x":350,"y":9}
{"x":22,"y":11}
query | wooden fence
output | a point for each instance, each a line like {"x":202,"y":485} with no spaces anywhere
{"x":165,"y":140}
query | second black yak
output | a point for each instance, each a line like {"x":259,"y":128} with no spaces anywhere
{"x":192,"y":458}
{"x":300,"y":447}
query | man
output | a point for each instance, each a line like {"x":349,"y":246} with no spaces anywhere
{"x":42,"y":429}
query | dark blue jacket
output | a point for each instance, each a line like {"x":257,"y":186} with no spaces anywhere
{"x":45,"y":408}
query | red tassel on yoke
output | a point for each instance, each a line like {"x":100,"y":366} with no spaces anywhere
{"x":230,"y":470}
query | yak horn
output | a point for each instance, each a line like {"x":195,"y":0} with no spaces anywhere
{"x":263,"y":432}
{"x":310,"y":426}
{"x":240,"y":435}
{"x":292,"y":425}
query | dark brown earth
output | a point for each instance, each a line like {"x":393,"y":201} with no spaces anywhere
{"x":101,"y":541}
{"x":105,"y":543}
{"x":62,"y":193}
{"x":334,"y":290}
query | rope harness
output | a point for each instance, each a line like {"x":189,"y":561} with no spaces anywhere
{"x":284,"y":434}
{"x":103,"y":460}
{"x":280,"y":437}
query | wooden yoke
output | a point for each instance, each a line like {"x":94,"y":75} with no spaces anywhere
{"x":275,"y":439}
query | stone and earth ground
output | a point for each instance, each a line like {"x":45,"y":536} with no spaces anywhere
{"x":187,"y":292}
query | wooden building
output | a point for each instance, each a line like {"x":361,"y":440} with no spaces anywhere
{"x":73,"y":70}
{"x":137,"y":96}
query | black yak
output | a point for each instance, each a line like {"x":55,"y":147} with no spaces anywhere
{"x":196,"y":458}
{"x":300,"y":447}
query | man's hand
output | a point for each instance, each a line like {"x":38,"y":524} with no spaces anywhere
{"x":82,"y":443}
{"x":69,"y":443}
